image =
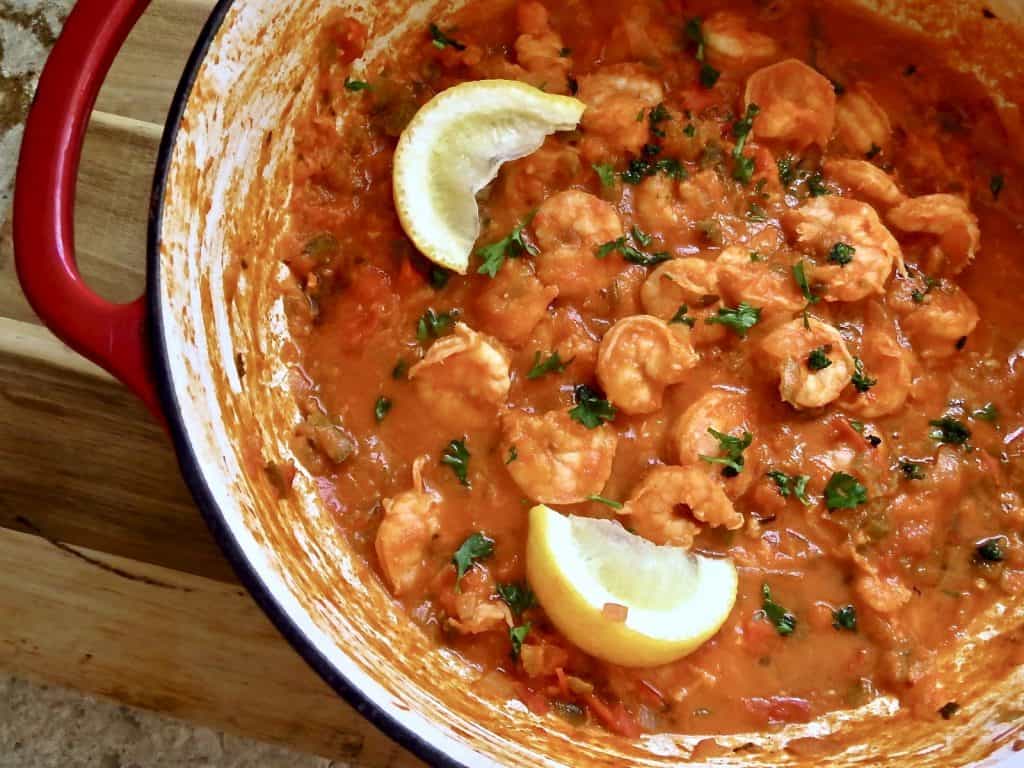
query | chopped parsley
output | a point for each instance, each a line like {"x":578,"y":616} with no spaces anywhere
{"x":553,"y":364}
{"x":599,"y":499}
{"x":755,"y":212}
{"x":841,"y":254}
{"x":991,"y":550}
{"x":382,"y":408}
{"x":819,"y":360}
{"x":356,"y":85}
{"x":434,"y":325}
{"x":605,"y":172}
{"x":629,"y":246}
{"x":995,"y":184}
{"x":695,"y":34}
{"x":656,"y":116}
{"x":439,"y":277}
{"x":791,"y":485}
{"x":861,"y":381}
{"x":844,"y":492}
{"x":987,"y":412}
{"x":690,"y":130}
{"x":456,"y":456}
{"x":783,"y":621}
{"x":949,"y":430}
{"x":858,"y":426}
{"x":476,"y":547}
{"x":911,"y":469}
{"x":518,"y":596}
{"x":929,"y":283}
{"x":741,"y":319}
{"x":681,"y":316}
{"x":591,"y":409}
{"x":787,"y":170}
{"x":743,"y":168}
{"x":517,"y":635}
{"x":641,"y":168}
{"x":441,"y":41}
{"x":845,"y":618}
{"x":400,"y":369}
{"x":493,"y":256}
{"x":800,"y":275}
{"x":816,"y":185}
{"x":513,"y":454}
{"x":732,"y":449}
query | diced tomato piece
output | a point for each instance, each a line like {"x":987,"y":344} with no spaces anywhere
{"x":778,"y":710}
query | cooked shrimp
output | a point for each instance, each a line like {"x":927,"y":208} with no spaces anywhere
{"x":730,"y":42}
{"x":728,"y":413}
{"x":830,"y":226}
{"x":703,"y":195}
{"x":558,"y":461}
{"x":948,"y":218}
{"x":657,"y":205}
{"x":539,"y":49}
{"x":614,"y":97}
{"x":464,"y":377}
{"x":664,"y":506}
{"x":798,"y":105}
{"x":639,"y":357}
{"x":512,"y":304}
{"x":759,"y":283}
{"x":411,"y":522}
{"x":564,"y":331}
{"x":689,"y":282}
{"x":475,"y":606}
{"x":865,"y":181}
{"x":937,"y":319}
{"x":812,"y":363}
{"x":885,"y":594}
{"x":861,"y":123}
{"x":886,"y":361}
{"x":570,"y":227}
{"x":526,"y":183}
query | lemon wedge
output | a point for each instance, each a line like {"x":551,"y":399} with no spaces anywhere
{"x":454,"y":147}
{"x":621,"y":598}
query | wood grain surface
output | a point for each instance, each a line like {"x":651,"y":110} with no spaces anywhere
{"x":109,"y":580}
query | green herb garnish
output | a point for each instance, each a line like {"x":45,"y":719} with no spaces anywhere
{"x":477,"y":547}
{"x":434,"y":325}
{"x":456,"y":456}
{"x":591,"y":409}
{"x":356,"y":85}
{"x":599,"y":499}
{"x":732,"y":449}
{"x":791,"y":485}
{"x":681,"y":316}
{"x":441,"y":41}
{"x":553,"y":364}
{"x":517,"y":635}
{"x":783,"y":621}
{"x":439,"y":277}
{"x":605,"y":172}
{"x":911,"y":469}
{"x":987,"y":412}
{"x":845,"y":618}
{"x":991,"y":550}
{"x":844,"y":492}
{"x":400,"y":369}
{"x":801,"y":280}
{"x":949,"y":430}
{"x":741,"y":319}
{"x":518,"y":596}
{"x":841,"y":254}
{"x":493,"y":256}
{"x":381,"y":408}
{"x":995,"y":184}
{"x":816,"y":185}
{"x":819,"y":360}
{"x":743,"y":168}
{"x":861,"y":381}
{"x":695,"y":34}
{"x":513,"y":454}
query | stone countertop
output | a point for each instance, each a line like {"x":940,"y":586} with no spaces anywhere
{"x":46,"y":727}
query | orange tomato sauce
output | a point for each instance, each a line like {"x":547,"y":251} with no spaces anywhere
{"x":932,"y":536}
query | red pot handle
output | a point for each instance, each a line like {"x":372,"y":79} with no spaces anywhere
{"x":112,"y":335}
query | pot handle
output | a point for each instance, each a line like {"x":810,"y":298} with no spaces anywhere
{"x":111,"y":335}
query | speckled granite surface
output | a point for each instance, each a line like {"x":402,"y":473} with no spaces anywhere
{"x":45,"y":727}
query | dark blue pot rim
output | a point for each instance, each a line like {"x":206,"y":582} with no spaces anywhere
{"x":190,"y":467}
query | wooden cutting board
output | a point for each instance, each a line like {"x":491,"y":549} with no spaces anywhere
{"x":109,"y":580}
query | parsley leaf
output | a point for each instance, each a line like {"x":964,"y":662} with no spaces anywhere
{"x":517,"y":635}
{"x":605,"y":172}
{"x":630,"y":252}
{"x":456,"y":456}
{"x":518,"y":596}
{"x":690,"y":130}
{"x":787,"y":170}
{"x":801,"y":280}
{"x":441,"y":41}
{"x":816,"y":185}
{"x":640,"y":169}
{"x":845,"y":618}
{"x":541,"y":368}
{"x":995,"y":184}
{"x":819,"y":360}
{"x":743,"y":168}
{"x":400,"y":369}
{"x":783,"y":621}
{"x":382,"y":408}
{"x":861,"y":381}
{"x":434,"y":325}
{"x":656,"y":116}
{"x":591,"y":409}
{"x":873,"y":151}
{"x":841,"y":254}
{"x":949,"y":430}
{"x":991,"y":550}
{"x":987,"y":412}
{"x":732,"y":448}
{"x":476,"y":547}
{"x":356,"y":85}
{"x":682,"y":317}
{"x":513,"y":454}
{"x":695,"y":34}
{"x":911,"y":469}
{"x":844,"y":492}
{"x":493,"y":256}
{"x":642,"y":238}
{"x":439,"y":277}
{"x":791,"y":485}
{"x":599,"y":499}
{"x":741,"y":319}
